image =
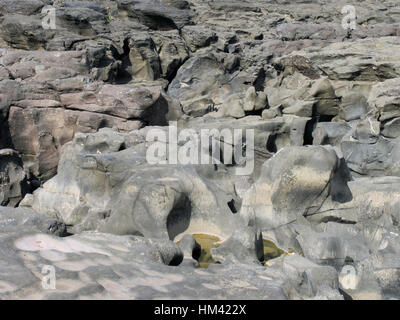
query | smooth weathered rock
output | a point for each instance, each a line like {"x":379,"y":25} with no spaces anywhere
{"x":306,"y":277}
{"x":191,"y":250}
{"x":169,"y":200}
{"x":104,"y":266}
{"x":76,"y":104}
{"x":330,"y":133}
{"x":368,"y":158}
{"x":293,"y":184}
{"x":353,"y":106}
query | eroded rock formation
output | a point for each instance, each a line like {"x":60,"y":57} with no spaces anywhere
{"x":77,"y":102}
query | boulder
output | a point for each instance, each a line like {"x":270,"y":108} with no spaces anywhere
{"x":104,"y":172}
{"x":294,"y":183}
{"x":198,"y":84}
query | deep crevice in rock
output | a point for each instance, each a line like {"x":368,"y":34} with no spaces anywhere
{"x":5,"y":135}
{"x":339,"y":190}
{"x":259,"y":82}
{"x":179,"y":218}
{"x":271,"y":143}
{"x":254,"y":112}
{"x":231,"y":205}
{"x":123,"y":76}
{"x":308,"y":132}
{"x":337,"y":220}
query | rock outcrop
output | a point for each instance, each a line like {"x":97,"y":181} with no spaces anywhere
{"x":312,"y":112}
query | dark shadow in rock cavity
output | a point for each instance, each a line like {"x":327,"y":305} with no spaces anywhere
{"x":5,"y":137}
{"x":259,"y":245}
{"x":271,"y":143}
{"x":231,"y":205}
{"x":156,"y":115}
{"x":123,"y":76}
{"x":339,"y":190}
{"x":179,"y":218}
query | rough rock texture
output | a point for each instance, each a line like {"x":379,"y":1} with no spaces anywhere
{"x":104,"y":266}
{"x":77,"y":102}
{"x":13,"y":182}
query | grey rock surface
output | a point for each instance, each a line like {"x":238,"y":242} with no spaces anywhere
{"x":317,"y":216}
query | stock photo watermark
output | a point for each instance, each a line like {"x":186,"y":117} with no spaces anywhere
{"x":348,"y":277}
{"x":49,"y":20}
{"x":211,"y":146}
{"x":49,"y":278}
{"x":349,"y":21}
